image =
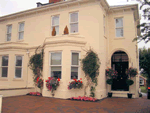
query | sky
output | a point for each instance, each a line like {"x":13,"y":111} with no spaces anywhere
{"x":13,"y":6}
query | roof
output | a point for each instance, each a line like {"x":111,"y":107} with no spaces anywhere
{"x":49,"y":6}
{"x":143,"y":77}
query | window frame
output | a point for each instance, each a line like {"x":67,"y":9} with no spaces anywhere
{"x":8,"y":33}
{"x":78,"y":66}
{"x":20,"y":31}
{"x":119,"y":27}
{"x":55,"y":25}
{"x":50,"y":56}
{"x":73,"y":22}
{"x":3,"y":66}
{"x":18,"y":67}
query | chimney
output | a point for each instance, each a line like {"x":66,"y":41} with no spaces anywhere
{"x":39,"y":4}
{"x":54,"y":1}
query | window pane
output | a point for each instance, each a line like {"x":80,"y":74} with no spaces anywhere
{"x":119,"y":32}
{"x":21,"y":27}
{"x":55,"y":20}
{"x":4,"y":71}
{"x":74,"y":17}
{"x":9,"y":28}
{"x":21,"y":35}
{"x":4,"y":60}
{"x":75,"y":58}
{"x":74,"y":72}
{"x":56,"y":72}
{"x":56,"y":29}
{"x":74,"y":28}
{"x":55,"y":58}
{"x":18,"y":72}
{"x":119,"y":22}
{"x":18,"y":60}
{"x":8,"y":37}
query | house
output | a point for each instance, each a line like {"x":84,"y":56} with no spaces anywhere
{"x":108,"y":30}
{"x":142,"y":81}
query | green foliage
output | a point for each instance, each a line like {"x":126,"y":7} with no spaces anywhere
{"x":129,"y":82}
{"x":144,"y":27}
{"x":144,"y":60}
{"x":92,"y":94}
{"x":91,"y":65}
{"x":75,"y":84}
{"x":36,"y":65}
{"x":111,"y":73}
{"x":109,"y":81}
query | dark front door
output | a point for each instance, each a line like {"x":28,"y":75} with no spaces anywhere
{"x":120,"y":64}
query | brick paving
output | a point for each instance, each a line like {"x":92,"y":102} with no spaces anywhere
{"x":34,"y":104}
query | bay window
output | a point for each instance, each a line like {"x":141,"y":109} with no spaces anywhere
{"x":74,"y":65}
{"x":55,"y":64}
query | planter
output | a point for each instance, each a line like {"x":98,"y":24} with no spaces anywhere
{"x":129,"y":95}
{"x":109,"y":94}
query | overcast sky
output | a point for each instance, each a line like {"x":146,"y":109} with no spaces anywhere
{"x":12,"y":6}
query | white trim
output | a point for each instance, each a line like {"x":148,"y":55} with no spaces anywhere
{"x":73,"y":22}
{"x":119,"y":27}
{"x":58,"y":15}
{"x":19,"y":67}
{"x":20,"y":31}
{"x":8,"y":33}
{"x":50,"y":53}
{"x":3,"y":66}
{"x":72,"y":51}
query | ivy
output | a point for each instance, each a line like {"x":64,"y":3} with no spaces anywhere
{"x":91,"y":65}
{"x":36,"y":65}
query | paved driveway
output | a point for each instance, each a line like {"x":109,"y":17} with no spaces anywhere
{"x":33,"y":104}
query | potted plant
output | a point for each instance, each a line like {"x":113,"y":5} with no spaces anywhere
{"x":131,"y":72}
{"x":109,"y":81}
{"x":110,"y":74}
{"x":129,"y":83}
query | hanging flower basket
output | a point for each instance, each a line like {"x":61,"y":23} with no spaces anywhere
{"x":52,"y":83}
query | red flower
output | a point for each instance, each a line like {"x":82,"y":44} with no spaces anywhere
{"x":81,"y":81}
{"x":37,"y":79}
{"x":46,"y":80}
{"x":80,"y":78}
{"x":58,"y":79}
{"x":49,"y":77}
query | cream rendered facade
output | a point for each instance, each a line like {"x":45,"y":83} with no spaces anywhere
{"x":37,"y":30}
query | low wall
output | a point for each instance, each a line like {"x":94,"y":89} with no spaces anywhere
{"x":16,"y":91}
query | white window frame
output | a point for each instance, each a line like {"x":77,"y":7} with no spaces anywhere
{"x":78,"y":66}
{"x":54,"y":65}
{"x":119,"y":27}
{"x":18,"y":66}
{"x":20,"y":31}
{"x":3,"y":66}
{"x":73,"y":22}
{"x":8,"y":33}
{"x":55,"y":25}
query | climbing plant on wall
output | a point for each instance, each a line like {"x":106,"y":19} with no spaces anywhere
{"x":36,"y":65}
{"x":91,"y":65}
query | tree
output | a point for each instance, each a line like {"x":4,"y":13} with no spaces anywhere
{"x":145,"y":26}
{"x":144,"y":60}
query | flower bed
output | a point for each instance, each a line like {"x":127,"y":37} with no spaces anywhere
{"x":34,"y":94}
{"x":84,"y":98}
